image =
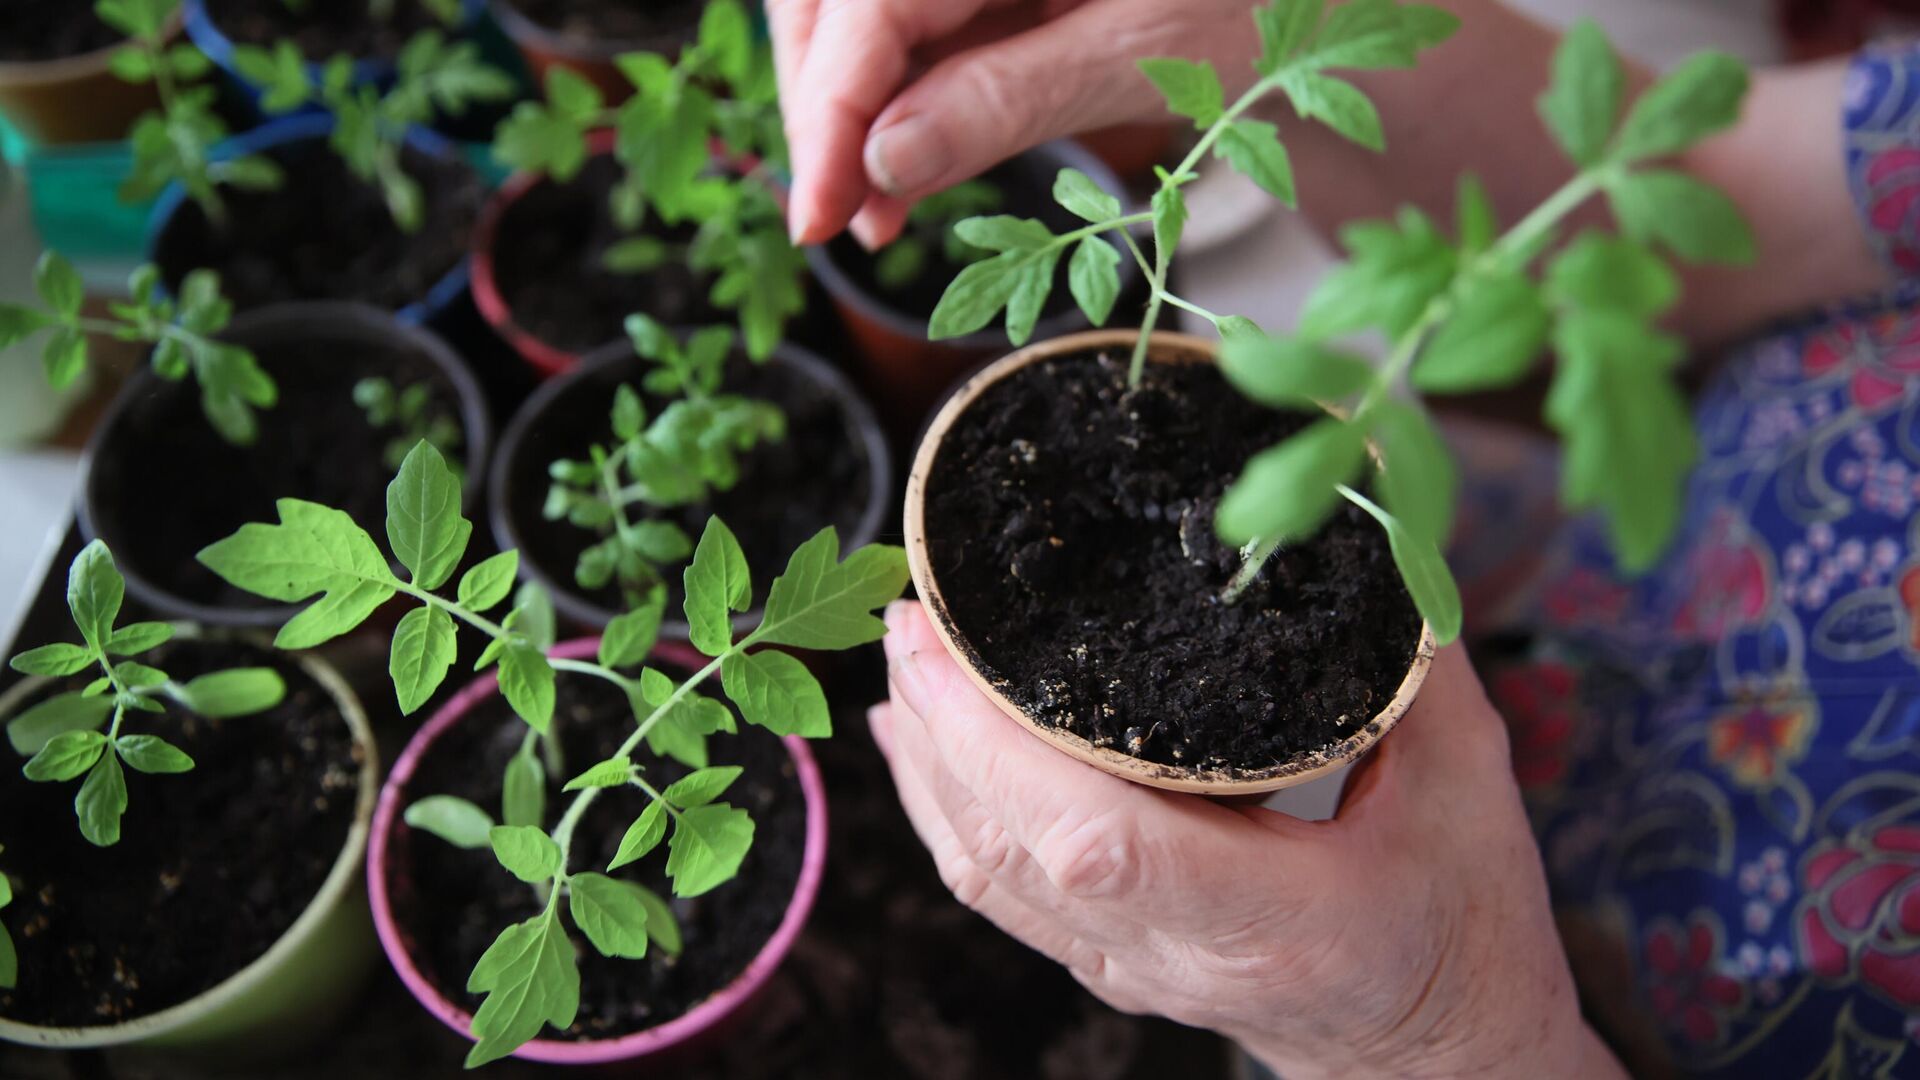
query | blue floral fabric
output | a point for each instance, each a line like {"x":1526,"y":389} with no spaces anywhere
{"x":1722,"y":758}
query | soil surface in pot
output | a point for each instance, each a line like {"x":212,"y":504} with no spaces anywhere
{"x":158,"y":509}
{"x":547,"y":251}
{"x":326,"y":234}
{"x":212,"y":867}
{"x":654,"y":25}
{"x":1070,"y":530}
{"x":1025,"y":184}
{"x":817,"y":476}
{"x":451,"y":903}
{"x":32,"y":30}
{"x":325,"y":28}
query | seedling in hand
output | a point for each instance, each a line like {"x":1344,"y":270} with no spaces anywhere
{"x":432,"y":76}
{"x":930,"y":228}
{"x":232,"y":383}
{"x":530,"y":973}
{"x":689,"y":450}
{"x":61,"y":736}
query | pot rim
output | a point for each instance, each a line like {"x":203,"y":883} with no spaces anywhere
{"x":850,"y":294}
{"x":1167,"y":347}
{"x":506,"y":530}
{"x":207,"y":36}
{"x":627,"y":1048}
{"x":24,"y":73}
{"x":246,"y":982}
{"x":303,"y":127}
{"x":352,"y":319}
{"x":524,"y":32}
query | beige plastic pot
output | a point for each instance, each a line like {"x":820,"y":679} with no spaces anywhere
{"x":1167,"y":348}
{"x":294,"y":991}
{"x":75,"y":99}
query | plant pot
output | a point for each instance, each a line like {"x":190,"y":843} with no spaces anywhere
{"x":74,"y":99}
{"x":909,"y":372}
{"x":390,"y":868}
{"x":834,"y":447}
{"x":1130,"y":150}
{"x":1097,"y":523}
{"x":288,"y":994}
{"x":156,"y":510}
{"x":369,"y":68}
{"x":538,"y":280}
{"x":591,"y":50}
{"x":299,"y":243}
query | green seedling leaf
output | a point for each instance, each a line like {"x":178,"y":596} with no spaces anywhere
{"x":424,"y":525}
{"x":137,"y":676}
{"x":777,"y":692}
{"x":53,"y":660}
{"x":530,"y":978}
{"x":535,"y":611}
{"x":1604,"y":273}
{"x":314,"y":549}
{"x":642,"y":836}
{"x":523,"y":790}
{"x":483,"y":587}
{"x":611,"y":914}
{"x":612,"y":772}
{"x":1169,"y":218}
{"x":1421,"y":567}
{"x":702,"y":787}
{"x":1004,"y":232}
{"x":630,"y":636}
{"x":1416,"y":478}
{"x":1191,"y":89}
{"x":706,"y":848}
{"x":1083,"y":198}
{"x":661,"y":926}
{"x":424,"y":648}
{"x":975,"y":296}
{"x":1497,"y":330}
{"x":1338,"y":104}
{"x":823,"y":603}
{"x":1394,"y":271}
{"x":66,"y":756}
{"x":1287,"y":491}
{"x":221,"y":695}
{"x":1378,"y":34}
{"x":1292,"y":372}
{"x":1698,"y":98}
{"x":136,"y":638}
{"x":1477,"y":224}
{"x":101,"y":801}
{"x":152,"y":754}
{"x":59,"y":284}
{"x":452,"y":819}
{"x":94,"y":592}
{"x":1285,"y":26}
{"x":32,"y":730}
{"x":1582,"y":103}
{"x":716,"y":585}
{"x":64,"y":357}
{"x":528,"y":853}
{"x":1093,"y":277}
{"x":9,"y":962}
{"x":1254,"y":150}
{"x":1694,"y":219}
{"x":526,"y":678}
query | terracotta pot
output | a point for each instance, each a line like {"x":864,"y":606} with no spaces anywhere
{"x":75,"y":99}
{"x":700,"y":1025}
{"x":525,"y":452}
{"x":590,"y":58}
{"x":1168,"y":348}
{"x":350,"y":324}
{"x":908,"y":372}
{"x":1131,"y":150}
{"x":289,"y":995}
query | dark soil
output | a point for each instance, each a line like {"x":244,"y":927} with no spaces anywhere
{"x":325,"y":28}
{"x":546,"y":262}
{"x":451,"y":903}
{"x":1070,"y":526}
{"x":158,"y":509}
{"x":326,"y":234}
{"x":652,"y":25}
{"x":212,"y":865}
{"x":33,"y":30}
{"x":1026,"y":186}
{"x":817,"y":476}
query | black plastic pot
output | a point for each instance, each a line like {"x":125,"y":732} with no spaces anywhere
{"x":153,"y":420}
{"x":539,"y":434}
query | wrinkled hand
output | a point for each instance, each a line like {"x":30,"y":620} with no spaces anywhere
{"x":1409,"y":937}
{"x":869,"y":134}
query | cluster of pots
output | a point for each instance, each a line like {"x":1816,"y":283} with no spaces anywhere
{"x":315,"y":967}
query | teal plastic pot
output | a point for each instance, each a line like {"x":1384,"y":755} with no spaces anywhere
{"x":292,"y":993}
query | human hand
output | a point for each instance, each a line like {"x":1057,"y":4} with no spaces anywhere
{"x":1411,"y":936}
{"x":868,"y":136}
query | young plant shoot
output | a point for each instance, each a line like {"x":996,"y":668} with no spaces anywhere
{"x":530,"y":975}
{"x":176,"y":143}
{"x":721,"y":89}
{"x":447,"y":11}
{"x":688,"y":451}
{"x":1461,"y":314}
{"x":410,"y":413}
{"x":9,"y":957}
{"x":232,"y":383}
{"x":432,"y":77}
{"x":61,"y":736}
{"x":930,"y":227}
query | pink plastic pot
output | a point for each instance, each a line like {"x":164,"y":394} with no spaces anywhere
{"x":684,"y":1035}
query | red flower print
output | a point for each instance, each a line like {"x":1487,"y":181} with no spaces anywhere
{"x":1584,"y":596}
{"x":1860,"y":917}
{"x":1729,"y":582}
{"x":1684,"y":983}
{"x":1893,"y":189}
{"x":1757,"y":739}
{"x":1540,"y":703}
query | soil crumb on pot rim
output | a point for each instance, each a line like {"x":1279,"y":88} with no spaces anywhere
{"x":1069,"y":528}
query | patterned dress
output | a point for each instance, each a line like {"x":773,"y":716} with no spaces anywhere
{"x":1723,"y":757}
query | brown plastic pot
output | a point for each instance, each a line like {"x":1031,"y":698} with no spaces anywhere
{"x":907,"y":372}
{"x":590,"y":58}
{"x":1167,"y":348}
{"x":75,"y":99}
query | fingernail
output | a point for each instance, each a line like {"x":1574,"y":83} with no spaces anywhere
{"x":882,"y":733}
{"x":798,"y":220}
{"x":863,"y":231}
{"x":907,"y":156}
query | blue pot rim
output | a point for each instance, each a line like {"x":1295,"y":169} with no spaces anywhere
{"x":211,"y":40}
{"x":292,"y":129}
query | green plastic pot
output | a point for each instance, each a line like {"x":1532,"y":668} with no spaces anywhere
{"x":292,"y":993}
